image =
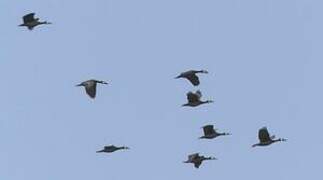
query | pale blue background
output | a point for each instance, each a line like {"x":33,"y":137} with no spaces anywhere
{"x":265,"y":64}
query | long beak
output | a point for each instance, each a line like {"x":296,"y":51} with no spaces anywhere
{"x":78,"y":85}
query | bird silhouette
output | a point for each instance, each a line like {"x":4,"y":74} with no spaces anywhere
{"x":210,"y":132}
{"x":90,"y":86}
{"x":194,"y":99}
{"x":111,"y":148}
{"x":30,"y":21}
{"x":265,"y":139}
{"x":191,"y":76}
{"x":197,"y":160}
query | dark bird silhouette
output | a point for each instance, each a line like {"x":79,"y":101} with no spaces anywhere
{"x":194,"y":99}
{"x":90,"y":86}
{"x":265,"y":139}
{"x":210,"y":132}
{"x":191,"y":76}
{"x":111,"y":148}
{"x":197,"y":160}
{"x":30,"y":21}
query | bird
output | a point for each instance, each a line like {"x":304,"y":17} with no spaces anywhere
{"x":210,"y":132}
{"x":197,"y":160}
{"x":90,"y":86}
{"x":30,"y":21}
{"x":191,"y":76}
{"x":111,"y":148}
{"x":194,"y":99}
{"x":265,"y":139}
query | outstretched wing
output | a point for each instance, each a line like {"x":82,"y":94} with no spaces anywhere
{"x":197,"y":164}
{"x":191,"y":157}
{"x":263,"y":135}
{"x":29,"y":18}
{"x":192,"y":97}
{"x":91,"y":90}
{"x":193,"y":78}
{"x":208,"y":129}
{"x":199,"y":93}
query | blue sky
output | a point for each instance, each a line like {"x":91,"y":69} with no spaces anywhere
{"x":264,"y":59}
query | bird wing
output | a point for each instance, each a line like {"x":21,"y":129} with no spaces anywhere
{"x":192,"y":97}
{"x":191,"y":157}
{"x":263,"y":135}
{"x":91,"y":90}
{"x":197,"y":164}
{"x":29,"y":17}
{"x":110,"y":147}
{"x":194,"y":79}
{"x":208,"y":129}
{"x":199,"y":94}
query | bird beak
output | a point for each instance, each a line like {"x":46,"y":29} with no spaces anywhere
{"x":79,"y":85}
{"x":177,"y":77}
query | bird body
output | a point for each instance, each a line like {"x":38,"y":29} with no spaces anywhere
{"x":112,"y":148}
{"x":90,"y":86}
{"x":210,"y":132}
{"x":191,"y":76}
{"x":30,"y":21}
{"x":194,"y":99}
{"x":265,"y":139}
{"x":197,"y":160}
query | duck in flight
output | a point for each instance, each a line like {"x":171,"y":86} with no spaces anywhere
{"x":265,"y":139}
{"x":197,"y":160}
{"x":191,"y":76}
{"x":111,"y":148}
{"x":210,"y":132}
{"x":194,"y":99}
{"x":90,"y":86}
{"x":30,"y":21}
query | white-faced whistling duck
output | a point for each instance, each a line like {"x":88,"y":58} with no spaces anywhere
{"x":30,"y":21}
{"x":197,"y":160}
{"x":90,"y":86}
{"x":194,"y":99}
{"x":191,"y":76}
{"x":111,"y":148}
{"x":210,"y":132}
{"x":265,"y":139}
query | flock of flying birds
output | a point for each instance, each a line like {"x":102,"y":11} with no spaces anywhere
{"x":193,"y":100}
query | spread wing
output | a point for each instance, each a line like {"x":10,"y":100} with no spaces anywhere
{"x":109,"y":147}
{"x":194,"y":79}
{"x":208,"y":129}
{"x":193,"y":156}
{"x":29,"y":18}
{"x":91,"y":90}
{"x":263,"y":135}
{"x":197,"y":164}
{"x":192,"y":97}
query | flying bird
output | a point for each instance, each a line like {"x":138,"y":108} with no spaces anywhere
{"x":265,"y":139}
{"x":210,"y":132}
{"x":197,"y":160}
{"x":194,"y":99}
{"x":111,"y":148}
{"x":90,"y":86}
{"x":191,"y":76}
{"x":30,"y":21}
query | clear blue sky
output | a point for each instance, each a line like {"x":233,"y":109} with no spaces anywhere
{"x":265,"y":64}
